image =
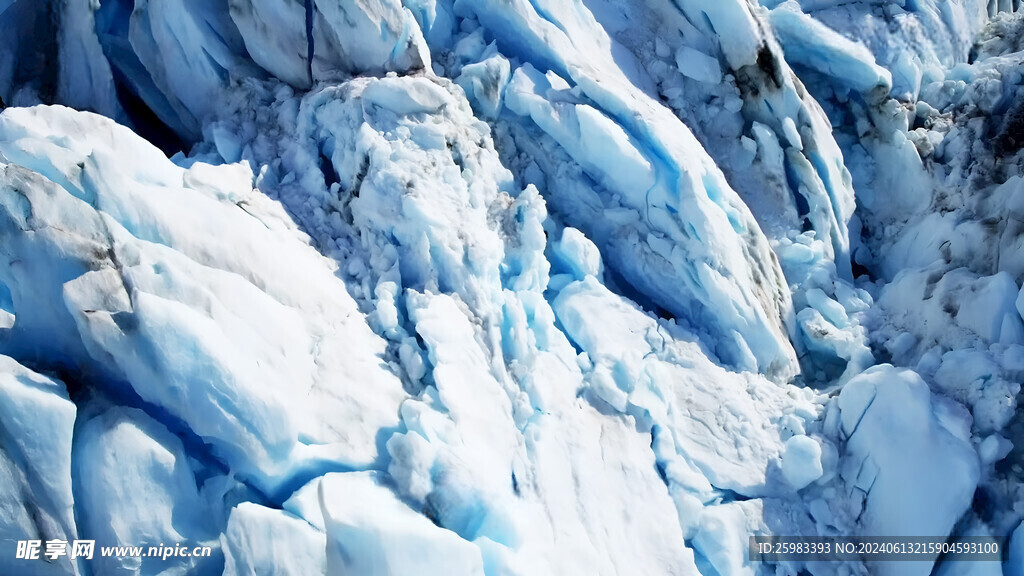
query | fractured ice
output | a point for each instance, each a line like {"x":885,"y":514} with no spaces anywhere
{"x":509,"y":287}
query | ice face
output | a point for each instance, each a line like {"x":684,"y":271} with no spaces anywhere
{"x":135,"y":289}
{"x":519,"y":287}
{"x":256,"y":537}
{"x":897,"y":436}
{"x":37,"y":420}
{"x":135,"y":485}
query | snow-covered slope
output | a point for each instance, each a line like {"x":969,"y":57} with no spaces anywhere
{"x":519,"y":287}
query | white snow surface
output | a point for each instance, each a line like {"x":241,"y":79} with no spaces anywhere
{"x":470,"y":287}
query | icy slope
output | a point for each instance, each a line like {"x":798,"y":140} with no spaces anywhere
{"x":144,"y":303}
{"x":128,"y":288}
{"x":421,"y":202}
{"x":478,"y":287}
{"x":35,"y":461}
{"x":946,"y":251}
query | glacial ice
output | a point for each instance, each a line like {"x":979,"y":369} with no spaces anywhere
{"x":372,"y":532}
{"x":147,"y":294}
{"x":36,"y":429}
{"x":679,"y":205}
{"x":347,"y":37}
{"x":135,"y":485}
{"x":899,"y":435}
{"x":518,"y":287}
{"x":801,"y":461}
{"x":811,"y":44}
{"x":1015,"y":557}
{"x":257,"y":536}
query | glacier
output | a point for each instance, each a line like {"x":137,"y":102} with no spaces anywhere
{"x":415,"y":287}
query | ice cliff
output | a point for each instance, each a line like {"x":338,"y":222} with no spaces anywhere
{"x":486,"y":287}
